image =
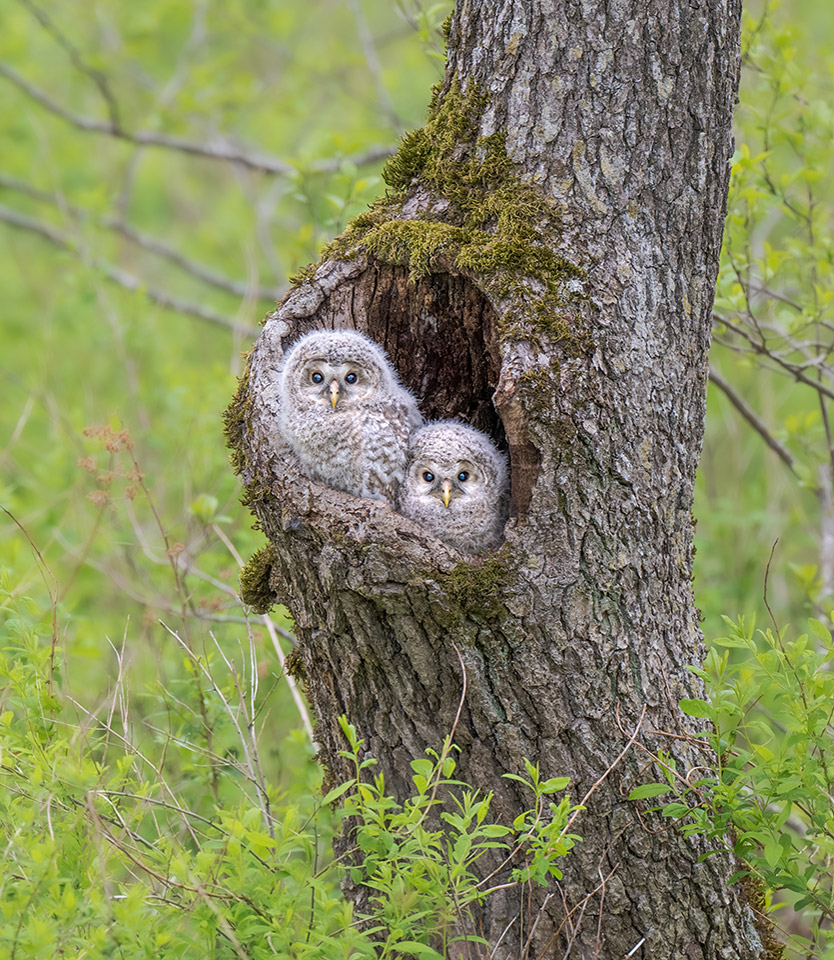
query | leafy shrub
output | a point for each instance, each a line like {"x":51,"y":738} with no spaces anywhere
{"x":768,"y":790}
{"x":155,"y":832}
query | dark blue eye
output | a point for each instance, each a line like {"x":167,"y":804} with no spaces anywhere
{"x":428,"y":476}
{"x":350,"y":378}
{"x":318,"y":377}
{"x":463,"y":475}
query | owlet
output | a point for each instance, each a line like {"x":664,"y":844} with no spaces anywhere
{"x":345,"y":414}
{"x":456,"y":485}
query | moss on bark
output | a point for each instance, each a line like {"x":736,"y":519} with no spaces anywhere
{"x":480,"y":219}
{"x":235,"y":417}
{"x":255,"y":588}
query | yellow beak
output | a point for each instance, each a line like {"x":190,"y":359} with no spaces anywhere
{"x":334,"y":393}
{"x":447,"y":492}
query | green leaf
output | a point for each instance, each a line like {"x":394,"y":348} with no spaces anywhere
{"x":554,"y":784}
{"x":337,"y":792}
{"x":416,"y":949}
{"x":205,"y":507}
{"x":730,"y":642}
{"x":696,"y":708}
{"x":773,"y":852}
{"x":649,"y":790}
{"x":515,"y":776}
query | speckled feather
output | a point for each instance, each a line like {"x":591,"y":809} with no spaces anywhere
{"x":360,"y":446}
{"x":474,"y":519}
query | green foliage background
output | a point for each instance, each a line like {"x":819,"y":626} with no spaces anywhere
{"x":111,"y":454}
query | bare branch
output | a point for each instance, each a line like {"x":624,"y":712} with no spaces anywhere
{"x":196,"y":269}
{"x":146,"y":242}
{"x":122,"y":277}
{"x":752,"y":418}
{"x":96,"y":76}
{"x":369,"y":49}
{"x":795,"y":370}
{"x":272,"y":629}
{"x":262,"y":163}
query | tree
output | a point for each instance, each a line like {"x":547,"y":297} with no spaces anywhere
{"x":542,"y":266}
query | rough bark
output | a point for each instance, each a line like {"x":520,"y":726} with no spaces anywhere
{"x":619,"y":116}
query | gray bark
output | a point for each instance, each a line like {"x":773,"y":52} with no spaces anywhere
{"x":621,"y":115}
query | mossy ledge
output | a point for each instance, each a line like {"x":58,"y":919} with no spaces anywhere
{"x":255,"y":589}
{"x":479,"y":219}
{"x":476,"y":588}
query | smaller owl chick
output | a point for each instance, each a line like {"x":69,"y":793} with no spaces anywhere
{"x":456,"y":485}
{"x":345,"y":413}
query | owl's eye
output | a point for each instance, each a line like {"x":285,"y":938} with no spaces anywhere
{"x":463,"y":475}
{"x":350,"y":378}
{"x":428,"y":476}
{"x":318,"y":377}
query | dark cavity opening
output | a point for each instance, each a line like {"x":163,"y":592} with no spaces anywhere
{"x":441,"y":334}
{"x":439,"y":331}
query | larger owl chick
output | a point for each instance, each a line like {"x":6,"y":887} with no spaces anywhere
{"x":345,"y":414}
{"x":456,"y":485}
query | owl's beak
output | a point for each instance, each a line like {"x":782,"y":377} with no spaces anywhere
{"x":447,"y":492}
{"x":334,"y":393}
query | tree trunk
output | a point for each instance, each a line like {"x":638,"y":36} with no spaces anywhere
{"x":543,"y":267}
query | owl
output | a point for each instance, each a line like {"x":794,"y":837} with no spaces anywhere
{"x":345,"y":414}
{"x":456,"y":485}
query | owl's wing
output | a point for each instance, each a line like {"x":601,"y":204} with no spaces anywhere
{"x":386,"y":446}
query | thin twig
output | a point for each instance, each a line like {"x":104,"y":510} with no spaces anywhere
{"x":43,"y":569}
{"x":620,"y":755}
{"x":272,"y":630}
{"x":752,"y":418}
{"x":18,"y":430}
{"x":261,"y":787}
{"x":366,"y":41}
{"x":262,"y":163}
{"x":147,"y":242}
{"x":795,"y":370}
{"x":98,"y":78}
{"x":121,"y":277}
{"x":578,"y":906}
{"x":447,"y":743}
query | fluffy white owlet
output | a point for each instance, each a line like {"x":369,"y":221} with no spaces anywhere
{"x":456,"y":485}
{"x":345,"y":414}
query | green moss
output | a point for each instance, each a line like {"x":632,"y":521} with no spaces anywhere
{"x":446,"y":28}
{"x":493,"y":225}
{"x":303,"y":275}
{"x":477,"y":589}
{"x":294,"y":666}
{"x":756,"y":894}
{"x":255,"y":589}
{"x":235,"y":417}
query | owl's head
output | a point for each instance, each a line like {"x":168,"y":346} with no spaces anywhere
{"x":451,"y":463}
{"x":335,"y":369}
